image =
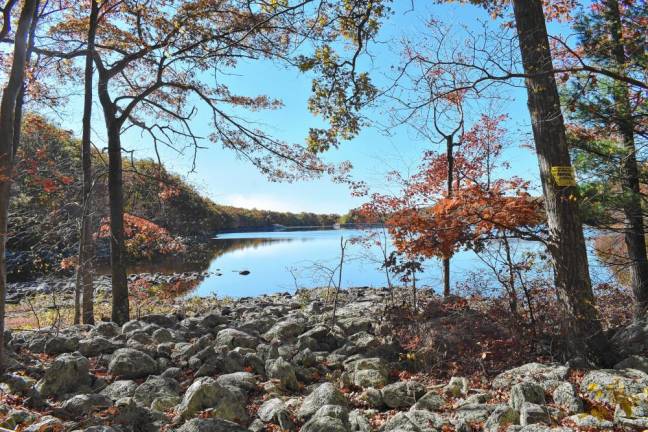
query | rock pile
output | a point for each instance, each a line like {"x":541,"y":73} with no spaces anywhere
{"x":271,"y":363}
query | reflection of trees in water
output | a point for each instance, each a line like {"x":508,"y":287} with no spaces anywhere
{"x":200,"y":260}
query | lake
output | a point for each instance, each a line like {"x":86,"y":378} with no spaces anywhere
{"x":284,"y":260}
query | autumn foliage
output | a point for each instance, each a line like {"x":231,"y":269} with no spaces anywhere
{"x":144,"y":239}
{"x":425,"y":221}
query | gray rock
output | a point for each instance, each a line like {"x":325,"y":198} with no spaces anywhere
{"x":232,"y":338}
{"x":96,"y":346}
{"x":283,"y":371}
{"x":589,"y":421}
{"x":413,"y":421}
{"x":84,"y":404}
{"x":68,"y":373}
{"x":106,"y":330}
{"x":156,"y":387}
{"x":402,"y":394}
{"x":501,"y":417}
{"x":329,"y":418}
{"x":61,"y":344}
{"x":602,"y":384}
{"x":535,"y":372}
{"x":46,"y":424}
{"x":242,"y":380}
{"x":324,"y":394}
{"x":210,"y":425}
{"x":531,"y":413}
{"x":163,"y":335}
{"x":633,"y":362}
{"x":120,"y":389}
{"x":206,"y":393}
{"x":526,"y":392}
{"x":286,"y":330}
{"x":430,"y":401}
{"x":472,"y":413}
{"x":373,"y":397}
{"x":358,"y":422}
{"x":458,"y":386}
{"x":369,"y":372}
{"x":131,"y":363}
{"x":565,"y":396}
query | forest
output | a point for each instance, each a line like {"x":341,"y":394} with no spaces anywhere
{"x":526,"y":125}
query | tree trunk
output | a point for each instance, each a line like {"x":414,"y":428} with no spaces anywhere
{"x":86,"y":252}
{"x":7,"y":134}
{"x":120,"y":307}
{"x":566,"y":239}
{"x":450,"y":161}
{"x":632,"y":209}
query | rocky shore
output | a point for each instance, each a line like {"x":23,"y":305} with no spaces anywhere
{"x":273,"y":363}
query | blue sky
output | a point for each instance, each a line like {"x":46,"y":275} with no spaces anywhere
{"x":228,"y":180}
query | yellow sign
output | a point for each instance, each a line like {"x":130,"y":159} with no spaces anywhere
{"x":563,"y":176}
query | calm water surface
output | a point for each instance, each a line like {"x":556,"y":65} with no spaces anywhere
{"x":285,"y":260}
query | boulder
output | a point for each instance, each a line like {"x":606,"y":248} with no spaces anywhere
{"x":156,"y":387}
{"x":120,"y":389}
{"x":414,"y":421}
{"x":68,"y":373}
{"x":633,"y":362}
{"x":458,"y":386}
{"x":61,"y":344}
{"x":526,"y":392}
{"x":210,"y":425}
{"x":501,"y":417}
{"x":430,"y":401}
{"x":531,"y":413}
{"x":283,"y":371}
{"x":535,"y":372}
{"x":97,"y":345}
{"x":565,"y":396}
{"x":402,"y":394}
{"x":233,"y":338}
{"x":369,"y":372}
{"x":84,"y":404}
{"x":324,"y":394}
{"x":241,"y":380}
{"x":329,"y":418}
{"x":601,"y":384}
{"x":286,"y":330}
{"x":206,"y":393}
{"x":131,"y":364}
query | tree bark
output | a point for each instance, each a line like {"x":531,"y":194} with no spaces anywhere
{"x":7,"y":135}
{"x":634,"y":227}
{"x":86,"y":252}
{"x":450,"y":179}
{"x":120,"y":306}
{"x":566,"y":240}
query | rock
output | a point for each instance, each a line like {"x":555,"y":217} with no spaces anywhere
{"x":329,"y":418}
{"x":242,"y":380}
{"x":210,"y":425}
{"x":120,"y":389}
{"x":106,"y":330}
{"x":61,"y":344}
{"x":85,"y":404}
{"x":213,"y":320}
{"x":163,"y":335}
{"x":283,"y":371}
{"x":166,"y":321}
{"x":531,"y":413}
{"x":430,"y":401}
{"x":68,"y":373}
{"x":601,"y":384}
{"x":286,"y":330}
{"x":526,"y":392}
{"x":369,"y":372}
{"x":402,"y":394}
{"x":565,"y":396}
{"x":373,"y":397}
{"x":206,"y":393}
{"x":587,"y":421}
{"x":458,"y":386}
{"x":232,"y":338}
{"x":131,"y":363}
{"x":501,"y":417}
{"x":46,"y":424}
{"x":324,"y":394}
{"x":269,"y":410}
{"x":413,"y":421}
{"x":472,"y":413}
{"x":96,"y":346}
{"x":358,"y":422}
{"x":534,"y":372}
{"x":633,"y":362}
{"x":156,"y":387}
{"x":135,"y":417}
